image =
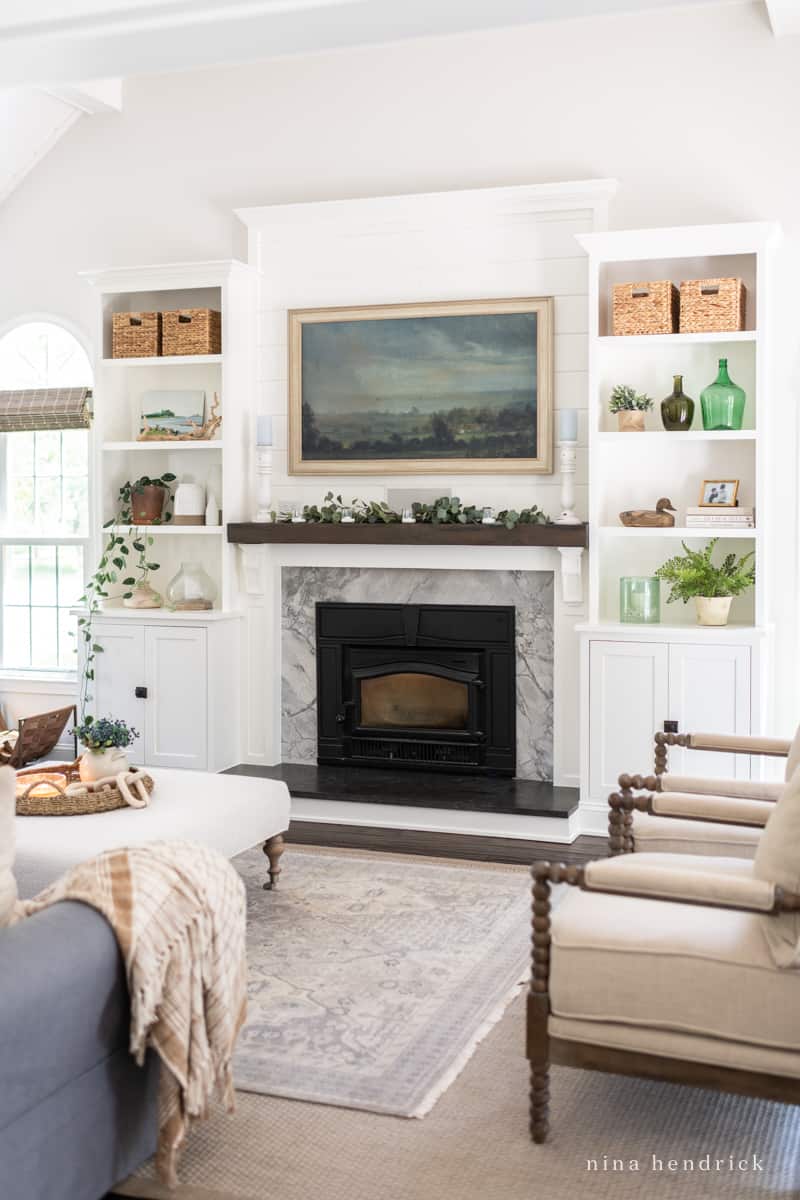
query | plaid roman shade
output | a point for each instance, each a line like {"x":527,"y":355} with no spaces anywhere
{"x":45,"y":408}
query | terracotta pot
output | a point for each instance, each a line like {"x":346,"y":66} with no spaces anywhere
{"x":712,"y":610}
{"x":98,"y":764}
{"x":631,"y":420}
{"x":148,"y":504}
{"x":143,"y":596}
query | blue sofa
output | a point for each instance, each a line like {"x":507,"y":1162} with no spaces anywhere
{"x":76,"y":1113}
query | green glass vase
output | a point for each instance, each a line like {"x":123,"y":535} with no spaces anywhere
{"x":677,"y":410}
{"x":722,"y":402}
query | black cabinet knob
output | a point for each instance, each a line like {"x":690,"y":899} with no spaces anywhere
{"x":140,"y":693}
{"x":670,"y":727}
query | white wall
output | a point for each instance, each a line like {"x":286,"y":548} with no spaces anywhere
{"x":692,"y":110}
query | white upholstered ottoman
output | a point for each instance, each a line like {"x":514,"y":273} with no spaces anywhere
{"x":230,"y":813}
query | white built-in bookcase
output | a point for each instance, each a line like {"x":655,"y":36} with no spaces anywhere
{"x":640,"y":671}
{"x":632,"y":470}
{"x":221,"y":463}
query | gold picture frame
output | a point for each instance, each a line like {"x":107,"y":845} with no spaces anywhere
{"x":726,"y":488}
{"x":532,"y":365}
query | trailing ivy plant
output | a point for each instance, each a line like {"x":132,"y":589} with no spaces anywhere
{"x":116,"y":567}
{"x":694,"y":574}
{"x":446,"y":510}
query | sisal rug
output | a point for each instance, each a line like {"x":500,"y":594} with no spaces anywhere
{"x":474,"y":1145}
{"x":373,"y":979}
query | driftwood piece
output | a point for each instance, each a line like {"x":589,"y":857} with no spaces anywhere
{"x":660,"y":517}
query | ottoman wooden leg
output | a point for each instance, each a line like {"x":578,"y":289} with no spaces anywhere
{"x":274,"y":848}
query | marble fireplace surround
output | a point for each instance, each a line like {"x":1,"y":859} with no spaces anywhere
{"x":530,"y":592}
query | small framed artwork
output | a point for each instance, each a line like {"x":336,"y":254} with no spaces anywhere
{"x":719,"y":493}
{"x":457,"y":387}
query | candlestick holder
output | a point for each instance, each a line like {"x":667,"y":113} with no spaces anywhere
{"x":567,"y":464}
{"x":263,"y":473}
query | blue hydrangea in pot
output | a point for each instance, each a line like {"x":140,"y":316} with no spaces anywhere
{"x":105,"y":741}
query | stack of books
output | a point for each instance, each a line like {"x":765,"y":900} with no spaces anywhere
{"x":713,"y":517}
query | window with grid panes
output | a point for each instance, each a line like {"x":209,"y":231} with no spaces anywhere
{"x":44,"y":507}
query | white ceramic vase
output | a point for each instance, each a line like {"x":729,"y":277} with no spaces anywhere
{"x":712,"y":610}
{"x":97,"y":764}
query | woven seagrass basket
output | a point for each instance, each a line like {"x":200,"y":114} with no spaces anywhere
{"x":135,"y":335}
{"x":192,"y":331}
{"x":712,"y":305}
{"x":59,"y":791}
{"x":649,"y":307}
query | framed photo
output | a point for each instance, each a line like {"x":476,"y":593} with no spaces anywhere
{"x":719,"y":493}
{"x":456,"y":387}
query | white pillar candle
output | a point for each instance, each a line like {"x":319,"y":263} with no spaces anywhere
{"x":263,"y":430}
{"x":568,"y":425}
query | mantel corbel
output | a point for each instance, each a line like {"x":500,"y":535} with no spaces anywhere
{"x":571,"y":574}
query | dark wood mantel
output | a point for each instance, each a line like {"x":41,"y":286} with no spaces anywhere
{"x":249,"y":533}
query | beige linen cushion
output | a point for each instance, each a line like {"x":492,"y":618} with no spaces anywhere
{"x":778,"y":861}
{"x":793,"y":760}
{"x":661,"y":965}
{"x":676,"y":836}
{"x":8,"y":804}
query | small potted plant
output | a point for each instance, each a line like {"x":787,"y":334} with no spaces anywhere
{"x":630,"y":407}
{"x":693,"y":576}
{"x":143,"y":500}
{"x":106,"y":741}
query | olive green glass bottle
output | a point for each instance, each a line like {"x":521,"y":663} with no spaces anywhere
{"x":677,"y":410}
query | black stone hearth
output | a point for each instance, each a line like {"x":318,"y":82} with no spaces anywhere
{"x":429,"y":687}
{"x":416,"y":789}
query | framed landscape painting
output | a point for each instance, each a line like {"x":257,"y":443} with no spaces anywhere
{"x":455,"y":387}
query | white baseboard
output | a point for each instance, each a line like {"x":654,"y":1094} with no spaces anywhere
{"x":593,"y":817}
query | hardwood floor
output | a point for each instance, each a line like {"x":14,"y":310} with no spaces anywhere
{"x":445,"y":845}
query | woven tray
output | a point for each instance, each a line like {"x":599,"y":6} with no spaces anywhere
{"x":72,"y":797}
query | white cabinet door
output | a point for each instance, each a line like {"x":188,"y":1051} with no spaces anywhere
{"x":709,"y":692}
{"x":177,"y":703}
{"x":628,"y":688}
{"x":119,"y":669}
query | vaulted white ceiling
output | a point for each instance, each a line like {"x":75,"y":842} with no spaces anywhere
{"x":49,"y":48}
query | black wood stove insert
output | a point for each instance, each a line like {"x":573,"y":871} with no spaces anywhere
{"x":425,"y":686}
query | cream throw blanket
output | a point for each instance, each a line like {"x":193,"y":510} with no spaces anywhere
{"x":178,"y":912}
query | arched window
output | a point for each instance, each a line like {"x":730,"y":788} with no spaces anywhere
{"x":44,"y":505}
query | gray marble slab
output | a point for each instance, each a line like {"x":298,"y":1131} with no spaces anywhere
{"x":531,"y":593}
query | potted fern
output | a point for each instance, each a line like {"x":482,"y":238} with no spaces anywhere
{"x":630,"y":407}
{"x":694,"y":576}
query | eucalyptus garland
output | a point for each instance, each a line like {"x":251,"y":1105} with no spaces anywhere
{"x":446,"y":510}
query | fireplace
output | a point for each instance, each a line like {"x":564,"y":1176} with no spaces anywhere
{"x":425,"y":686}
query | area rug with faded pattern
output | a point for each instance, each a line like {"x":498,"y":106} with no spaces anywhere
{"x":371,"y":980}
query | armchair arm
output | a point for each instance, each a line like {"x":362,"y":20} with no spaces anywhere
{"x":722,"y":810}
{"x":731,"y":743}
{"x":747,"y":789}
{"x":628,"y":876}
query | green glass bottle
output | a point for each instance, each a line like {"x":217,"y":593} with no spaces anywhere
{"x":677,"y":410}
{"x":722,"y":402}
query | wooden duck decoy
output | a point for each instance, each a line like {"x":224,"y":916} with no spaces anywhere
{"x":660,"y":517}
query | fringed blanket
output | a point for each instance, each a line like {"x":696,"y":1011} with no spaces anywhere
{"x":178,"y":912}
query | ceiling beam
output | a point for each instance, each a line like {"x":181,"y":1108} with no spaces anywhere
{"x":51,"y":43}
{"x":97,"y":96}
{"x":784,"y":17}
